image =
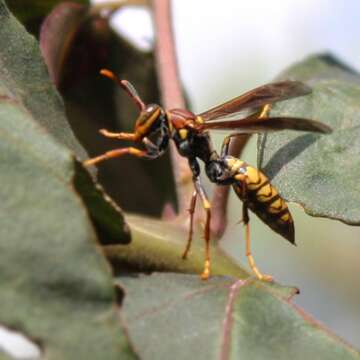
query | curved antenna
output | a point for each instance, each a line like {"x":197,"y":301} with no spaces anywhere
{"x":127,"y":86}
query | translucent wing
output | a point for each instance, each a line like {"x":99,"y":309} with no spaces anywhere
{"x":253,"y":124}
{"x":257,"y":97}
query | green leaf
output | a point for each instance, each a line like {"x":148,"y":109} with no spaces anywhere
{"x":107,"y":217}
{"x":319,"y":172}
{"x":158,"y":245}
{"x":56,"y":287}
{"x":23,"y":71}
{"x":181,"y":317}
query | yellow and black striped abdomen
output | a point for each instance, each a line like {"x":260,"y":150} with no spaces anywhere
{"x":264,"y":200}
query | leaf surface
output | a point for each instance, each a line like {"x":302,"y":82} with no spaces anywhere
{"x":158,"y":245}
{"x":181,"y":317}
{"x":319,"y":172}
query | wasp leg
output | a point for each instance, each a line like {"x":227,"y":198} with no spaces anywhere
{"x":116,"y":153}
{"x":152,"y":151}
{"x":226,"y":143}
{"x":225,"y":146}
{"x":195,"y":168}
{"x":265,"y":111}
{"x":191,"y":230}
{"x":155,"y":150}
{"x":206,"y":205}
{"x":251,"y":260}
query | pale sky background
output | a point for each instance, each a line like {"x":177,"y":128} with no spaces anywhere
{"x":225,"y":48}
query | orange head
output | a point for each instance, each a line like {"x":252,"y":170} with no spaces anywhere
{"x":150,"y":117}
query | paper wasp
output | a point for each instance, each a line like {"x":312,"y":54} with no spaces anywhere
{"x":190,"y":134}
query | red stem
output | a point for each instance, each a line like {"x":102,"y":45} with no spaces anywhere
{"x":221,"y":193}
{"x":172,"y":97}
{"x":171,"y":92}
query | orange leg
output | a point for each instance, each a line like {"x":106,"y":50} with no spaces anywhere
{"x":265,"y":111}
{"x":246,"y":221}
{"x":251,"y":260}
{"x":207,"y":265}
{"x":116,"y":153}
{"x":206,"y":205}
{"x":191,"y":230}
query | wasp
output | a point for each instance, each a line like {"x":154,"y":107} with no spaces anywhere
{"x":190,"y":134}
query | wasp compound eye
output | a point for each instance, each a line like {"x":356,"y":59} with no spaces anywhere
{"x":147,"y":119}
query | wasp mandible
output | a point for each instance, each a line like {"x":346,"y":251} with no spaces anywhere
{"x":191,"y":136}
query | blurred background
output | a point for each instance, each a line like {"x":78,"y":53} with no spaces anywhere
{"x":225,"y":49}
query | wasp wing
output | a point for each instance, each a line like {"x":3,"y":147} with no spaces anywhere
{"x":253,"y":124}
{"x":258,"y":97}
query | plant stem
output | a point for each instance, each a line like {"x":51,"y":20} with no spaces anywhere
{"x":171,"y":93}
{"x":221,"y":193}
{"x":172,"y":97}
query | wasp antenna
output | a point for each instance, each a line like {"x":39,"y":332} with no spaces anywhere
{"x":108,"y":74}
{"x":130,"y":89}
{"x":127,"y":86}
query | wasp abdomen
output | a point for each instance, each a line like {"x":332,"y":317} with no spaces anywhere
{"x":263,"y":199}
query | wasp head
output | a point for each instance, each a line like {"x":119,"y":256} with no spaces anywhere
{"x":151,"y":116}
{"x":149,"y":120}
